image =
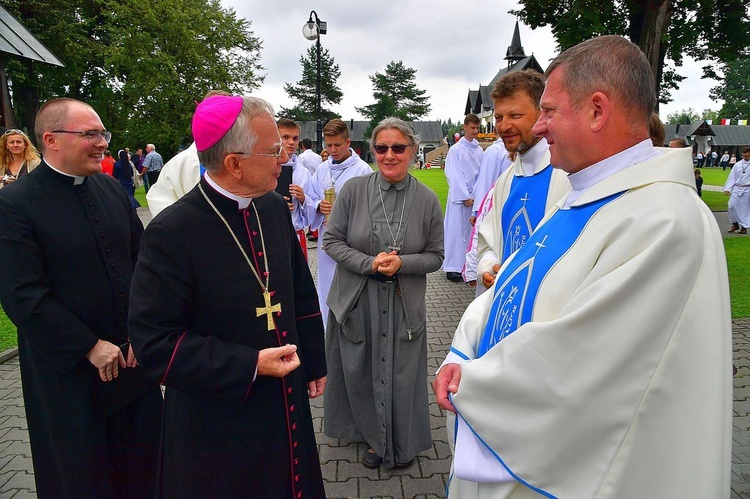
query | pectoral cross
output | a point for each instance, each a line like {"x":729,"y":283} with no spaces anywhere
{"x":393,"y":247}
{"x":268,"y":310}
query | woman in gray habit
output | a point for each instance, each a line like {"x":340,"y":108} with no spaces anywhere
{"x":385,"y":234}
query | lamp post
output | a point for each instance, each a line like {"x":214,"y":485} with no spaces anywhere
{"x":312,"y":31}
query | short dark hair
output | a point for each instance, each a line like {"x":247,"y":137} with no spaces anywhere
{"x":610,"y":64}
{"x":286,"y":123}
{"x":307,"y":143}
{"x":745,"y":149}
{"x":528,"y":80}
{"x":472,"y":118}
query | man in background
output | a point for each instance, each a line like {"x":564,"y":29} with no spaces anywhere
{"x":152,"y":164}
{"x":461,"y":169}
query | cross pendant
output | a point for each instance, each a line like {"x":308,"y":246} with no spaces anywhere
{"x":395,"y":248}
{"x":268,"y":310}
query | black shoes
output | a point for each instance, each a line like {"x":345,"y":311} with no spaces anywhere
{"x":454,"y":276}
{"x":371,"y":460}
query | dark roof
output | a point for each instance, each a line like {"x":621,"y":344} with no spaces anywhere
{"x":471,"y":102}
{"x":701,"y":128}
{"x":428,"y":131}
{"x":16,"y":40}
{"x":722,"y":135}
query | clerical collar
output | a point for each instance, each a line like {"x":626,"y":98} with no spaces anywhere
{"x":530,"y":158}
{"x":77,"y":179}
{"x":385,"y":185}
{"x":242,"y":203}
{"x":583,"y":180}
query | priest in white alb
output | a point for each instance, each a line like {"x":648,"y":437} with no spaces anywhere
{"x":599,"y":363}
{"x":737,"y":187}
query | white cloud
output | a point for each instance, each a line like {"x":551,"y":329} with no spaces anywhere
{"x":454,"y":46}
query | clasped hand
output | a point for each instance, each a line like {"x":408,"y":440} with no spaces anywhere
{"x":387,"y":263}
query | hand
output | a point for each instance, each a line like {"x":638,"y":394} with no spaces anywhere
{"x":316,"y":388}
{"x":297,"y":192}
{"x":278,"y":362}
{"x":390,"y":263}
{"x":488,"y":278}
{"x":324,"y":208}
{"x":473,"y":220}
{"x":289,"y":202}
{"x":446,"y":381}
{"x":106,"y":357}
{"x":727,"y":193}
{"x":469,"y":202}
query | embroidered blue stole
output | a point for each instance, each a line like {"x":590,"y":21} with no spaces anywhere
{"x":524,"y":208}
{"x":517,"y":285}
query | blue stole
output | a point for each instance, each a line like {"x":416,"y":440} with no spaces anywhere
{"x":517,"y":285}
{"x":521,"y":213}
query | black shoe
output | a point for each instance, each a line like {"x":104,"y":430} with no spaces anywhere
{"x":399,"y":466}
{"x":371,"y":460}
{"x":454,"y":276}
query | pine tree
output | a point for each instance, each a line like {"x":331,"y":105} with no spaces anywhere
{"x":304,"y":91}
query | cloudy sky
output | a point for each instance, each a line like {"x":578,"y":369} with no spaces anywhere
{"x":454,"y":46}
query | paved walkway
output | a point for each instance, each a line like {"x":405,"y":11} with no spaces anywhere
{"x":345,"y":477}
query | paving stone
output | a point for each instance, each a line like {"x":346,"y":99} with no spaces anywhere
{"x":390,"y":487}
{"x":343,"y":490}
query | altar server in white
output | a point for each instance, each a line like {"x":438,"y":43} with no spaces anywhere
{"x":178,"y":177}
{"x":333,"y":173}
{"x":599,"y":365}
{"x":737,"y":188}
{"x":461,"y":169}
{"x":530,"y":187}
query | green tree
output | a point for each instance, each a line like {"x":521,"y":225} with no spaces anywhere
{"x":304,"y":91}
{"x":141,"y":64}
{"x":735,"y":90}
{"x":683,"y":117}
{"x":396,"y":94}
{"x":712,"y":115}
{"x":665,"y":30}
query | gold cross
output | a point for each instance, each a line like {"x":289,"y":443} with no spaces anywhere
{"x":268,"y":310}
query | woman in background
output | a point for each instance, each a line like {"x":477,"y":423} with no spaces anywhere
{"x":18,"y":156}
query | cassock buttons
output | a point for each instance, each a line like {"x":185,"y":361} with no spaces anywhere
{"x":294,"y":426}
{"x":294,"y":444}
{"x":291,"y":408}
{"x":289,"y":390}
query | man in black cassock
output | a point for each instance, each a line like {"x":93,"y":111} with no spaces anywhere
{"x":69,"y":241}
{"x":224,"y":312}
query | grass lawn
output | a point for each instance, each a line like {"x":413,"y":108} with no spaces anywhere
{"x":714,"y":176}
{"x":737,"y":248}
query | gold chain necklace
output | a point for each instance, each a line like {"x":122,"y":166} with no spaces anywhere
{"x":268,"y":309}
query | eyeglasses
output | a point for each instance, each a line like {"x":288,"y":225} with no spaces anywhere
{"x":13,"y":131}
{"x":274,"y":154}
{"x":91,"y":135}
{"x":396,"y":148}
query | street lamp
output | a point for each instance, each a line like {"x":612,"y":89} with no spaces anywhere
{"x":312,"y":31}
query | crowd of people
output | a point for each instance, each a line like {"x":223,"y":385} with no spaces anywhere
{"x":601,"y":319}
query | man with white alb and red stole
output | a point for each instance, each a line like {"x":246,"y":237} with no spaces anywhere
{"x":599,"y":363}
{"x":226,"y":316}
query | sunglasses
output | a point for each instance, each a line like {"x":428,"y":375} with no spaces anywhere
{"x":13,"y":131}
{"x":396,"y":148}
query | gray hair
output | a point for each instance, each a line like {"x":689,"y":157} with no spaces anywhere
{"x":401,"y":126}
{"x":239,"y":138}
{"x":612,"y":65}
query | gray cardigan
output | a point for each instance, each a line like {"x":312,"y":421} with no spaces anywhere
{"x":348,"y":240}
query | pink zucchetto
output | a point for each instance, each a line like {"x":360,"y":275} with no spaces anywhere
{"x":213,"y":118}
